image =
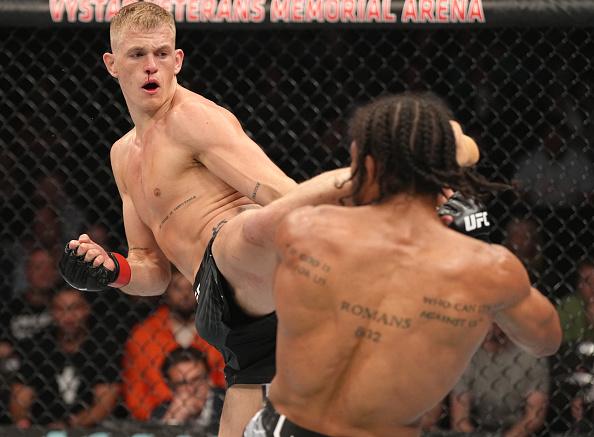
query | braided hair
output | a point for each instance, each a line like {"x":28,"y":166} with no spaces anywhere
{"x":414,"y":147}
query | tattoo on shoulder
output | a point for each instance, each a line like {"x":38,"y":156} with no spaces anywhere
{"x":312,"y":268}
{"x":461,"y":314}
{"x":256,"y":188}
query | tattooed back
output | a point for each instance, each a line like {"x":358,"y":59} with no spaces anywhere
{"x":380,"y":309}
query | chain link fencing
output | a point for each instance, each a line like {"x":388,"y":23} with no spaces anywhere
{"x":524,"y":94}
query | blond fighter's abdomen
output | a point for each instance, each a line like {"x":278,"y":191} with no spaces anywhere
{"x":180,"y":205}
{"x":184,"y":237}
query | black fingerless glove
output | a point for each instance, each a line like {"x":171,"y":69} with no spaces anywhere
{"x":470,"y":216}
{"x":81,"y":274}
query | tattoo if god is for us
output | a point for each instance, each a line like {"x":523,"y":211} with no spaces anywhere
{"x":309,"y":267}
{"x":181,"y":205}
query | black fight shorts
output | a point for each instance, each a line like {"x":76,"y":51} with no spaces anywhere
{"x":268,"y":423}
{"x":248,"y":344}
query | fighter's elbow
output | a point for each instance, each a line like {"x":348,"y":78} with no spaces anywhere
{"x":545,"y":351}
{"x":160,"y":284}
{"x":539,"y":341}
{"x":156,"y":289}
{"x":553,"y":335}
{"x":549,"y":345}
{"x":553,"y":348}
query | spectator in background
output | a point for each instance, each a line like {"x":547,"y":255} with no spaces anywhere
{"x":194,"y":401}
{"x":55,"y":220}
{"x":50,"y":192}
{"x":170,"y":327}
{"x":67,"y":377}
{"x":503,"y":389}
{"x":558,"y":174}
{"x":574,"y":362}
{"x":45,"y":233}
{"x":576,"y":311}
{"x":27,"y":315}
{"x":47,"y":229}
{"x":9,"y":364}
{"x":98,"y":232}
{"x":523,"y":238}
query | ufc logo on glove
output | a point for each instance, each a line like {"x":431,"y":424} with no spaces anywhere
{"x":476,"y":221}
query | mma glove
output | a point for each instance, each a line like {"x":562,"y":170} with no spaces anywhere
{"x":81,"y":274}
{"x":469,"y":216}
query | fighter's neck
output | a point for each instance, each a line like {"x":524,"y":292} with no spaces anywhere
{"x":410,"y":204}
{"x":143,"y":120}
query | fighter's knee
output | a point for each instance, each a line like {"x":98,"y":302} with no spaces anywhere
{"x":256,"y":227}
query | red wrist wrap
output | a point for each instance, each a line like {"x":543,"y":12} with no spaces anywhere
{"x":124,"y":274}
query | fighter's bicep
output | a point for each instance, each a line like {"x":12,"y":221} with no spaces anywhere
{"x":242,"y":164}
{"x":223,"y":147}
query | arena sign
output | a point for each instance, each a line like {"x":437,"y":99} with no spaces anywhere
{"x":291,"y":14}
{"x":282,"y":11}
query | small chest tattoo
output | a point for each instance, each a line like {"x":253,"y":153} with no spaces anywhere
{"x":157,"y":192}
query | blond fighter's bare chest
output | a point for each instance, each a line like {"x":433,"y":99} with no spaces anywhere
{"x":157,"y":174}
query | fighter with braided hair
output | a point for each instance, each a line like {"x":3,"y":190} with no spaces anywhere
{"x":380,"y":307}
{"x":417,"y":125}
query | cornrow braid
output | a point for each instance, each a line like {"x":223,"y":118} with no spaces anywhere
{"x":403,"y":135}
{"x":386,"y":140}
{"x":366,"y":125}
{"x":424,"y":133}
{"x":413,"y":144}
{"x":433,"y":158}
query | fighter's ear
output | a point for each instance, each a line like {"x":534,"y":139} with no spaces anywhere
{"x":179,"y":59}
{"x":467,"y":151}
{"x":109,"y":61}
{"x":370,"y":167}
